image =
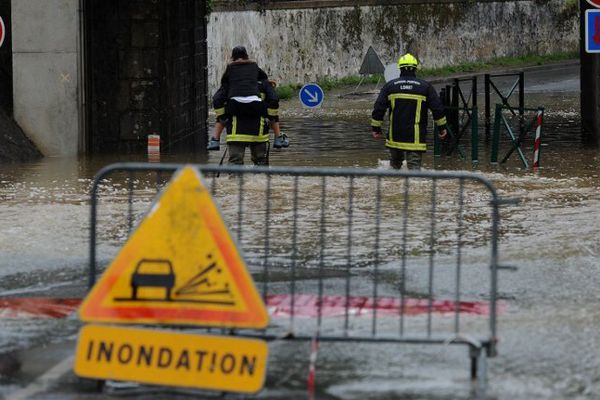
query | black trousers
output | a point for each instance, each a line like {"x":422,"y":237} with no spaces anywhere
{"x":413,"y":158}
{"x":258,"y":152}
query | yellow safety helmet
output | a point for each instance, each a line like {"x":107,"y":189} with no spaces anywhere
{"x":408,"y":61}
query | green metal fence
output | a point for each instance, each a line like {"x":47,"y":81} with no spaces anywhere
{"x":517,"y":136}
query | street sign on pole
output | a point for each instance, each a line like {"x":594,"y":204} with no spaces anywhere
{"x":592,"y":31}
{"x":595,"y":3}
{"x":371,"y":63}
{"x":311,"y":95}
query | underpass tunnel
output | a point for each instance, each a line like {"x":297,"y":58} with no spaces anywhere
{"x":144,"y":74}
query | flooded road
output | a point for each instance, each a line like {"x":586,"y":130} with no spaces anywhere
{"x":548,"y":338}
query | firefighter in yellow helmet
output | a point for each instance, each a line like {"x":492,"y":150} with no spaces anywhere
{"x":407,"y":99}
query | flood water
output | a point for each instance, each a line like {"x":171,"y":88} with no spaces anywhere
{"x":548,"y":337}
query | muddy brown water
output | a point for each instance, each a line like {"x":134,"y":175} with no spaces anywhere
{"x":548,"y":337}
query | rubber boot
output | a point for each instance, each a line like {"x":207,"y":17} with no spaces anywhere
{"x":213,"y":144}
{"x":281,"y":141}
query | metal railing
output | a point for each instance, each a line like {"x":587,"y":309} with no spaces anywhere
{"x":517,"y":141}
{"x":490,"y":86}
{"x":353,"y":254}
{"x":462,"y":114}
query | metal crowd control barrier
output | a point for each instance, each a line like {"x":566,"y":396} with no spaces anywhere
{"x":535,"y":124}
{"x":453,"y":141}
{"x":462,"y":101}
{"x":504,"y":98}
{"x":462,"y":114}
{"x":342,"y":255}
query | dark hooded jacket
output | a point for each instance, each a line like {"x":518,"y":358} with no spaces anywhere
{"x":240,"y":78}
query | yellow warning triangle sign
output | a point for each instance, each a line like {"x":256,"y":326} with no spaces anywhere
{"x":180,"y":266}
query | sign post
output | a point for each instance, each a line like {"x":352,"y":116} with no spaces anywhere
{"x":311,"y":95}
{"x":589,"y":33}
{"x":180,"y":267}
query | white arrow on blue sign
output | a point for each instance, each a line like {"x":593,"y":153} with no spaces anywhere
{"x":311,"y":95}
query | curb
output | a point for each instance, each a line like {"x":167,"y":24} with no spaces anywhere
{"x":504,"y":70}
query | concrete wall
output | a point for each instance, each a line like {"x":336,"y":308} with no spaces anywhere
{"x":45,"y":73}
{"x":303,"y":45}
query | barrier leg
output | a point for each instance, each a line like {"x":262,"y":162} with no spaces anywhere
{"x":474,"y":136}
{"x":311,"y":384}
{"x":478,"y":357}
{"x":516,"y":146}
{"x":437,"y":148}
{"x":538,"y":139}
{"x":474,"y":355}
{"x":496,"y":135}
{"x":487,"y":107}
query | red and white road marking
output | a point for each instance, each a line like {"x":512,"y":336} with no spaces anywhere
{"x":280,"y":305}
{"x":37,"y":307}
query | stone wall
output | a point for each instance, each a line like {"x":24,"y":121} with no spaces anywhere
{"x":303,"y":45}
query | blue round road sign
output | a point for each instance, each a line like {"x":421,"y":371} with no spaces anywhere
{"x":311,"y":95}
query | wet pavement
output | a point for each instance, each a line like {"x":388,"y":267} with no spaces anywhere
{"x":548,"y":338}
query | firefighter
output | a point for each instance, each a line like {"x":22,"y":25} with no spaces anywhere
{"x":238,"y":104}
{"x":256,"y":127}
{"x":407,"y":100}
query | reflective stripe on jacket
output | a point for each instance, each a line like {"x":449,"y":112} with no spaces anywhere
{"x":255,"y":130}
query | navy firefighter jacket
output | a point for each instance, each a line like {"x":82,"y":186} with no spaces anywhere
{"x":407,"y":99}
{"x":248,"y":122}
